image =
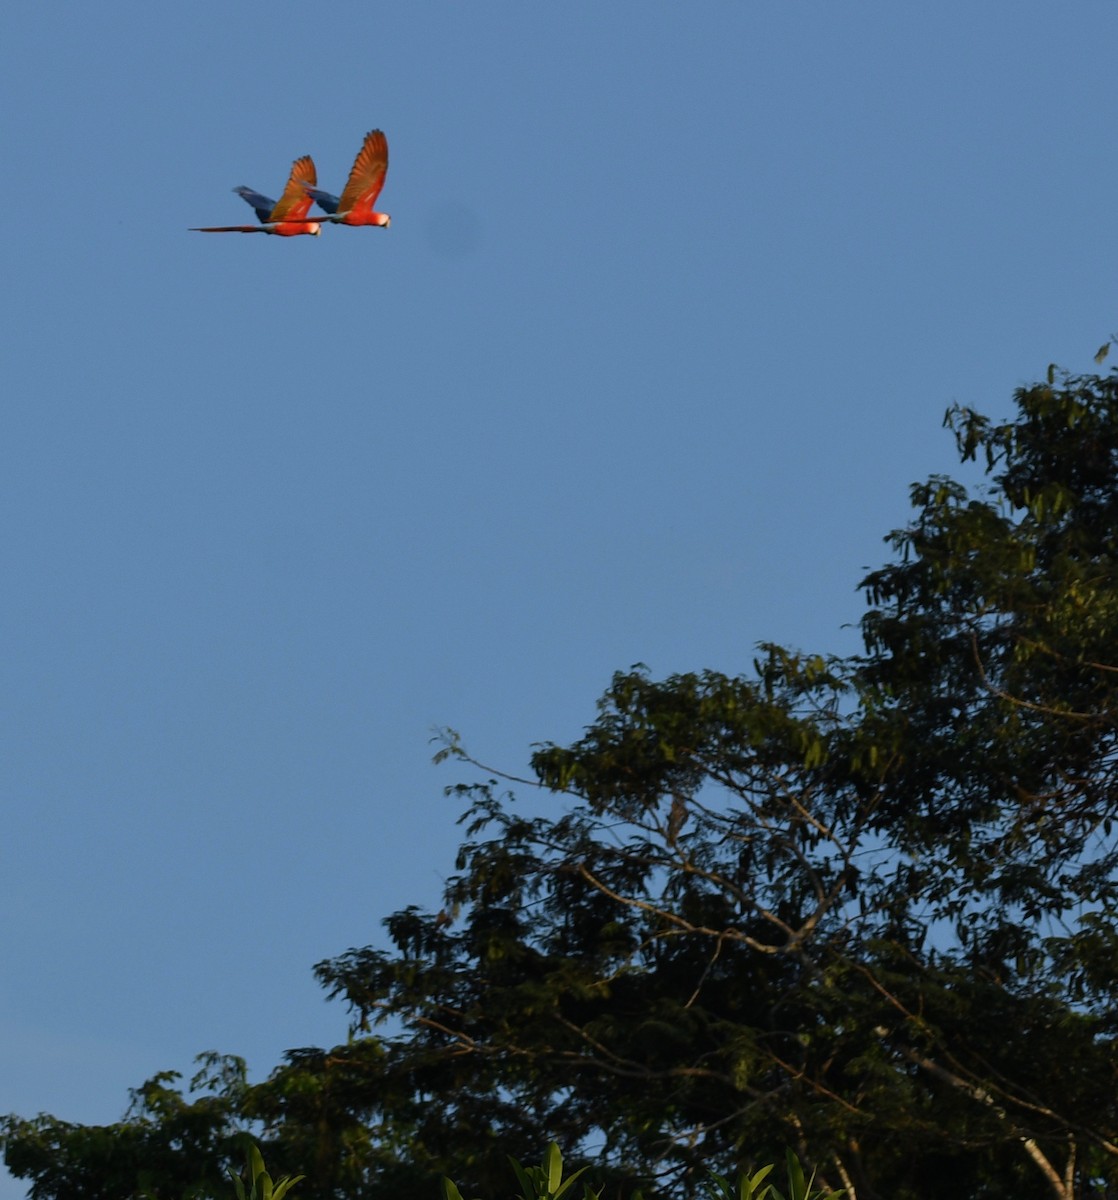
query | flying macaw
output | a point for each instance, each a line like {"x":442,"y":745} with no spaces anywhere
{"x":288,"y":216}
{"x":355,"y":205}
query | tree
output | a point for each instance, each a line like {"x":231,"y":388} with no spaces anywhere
{"x":861,"y":906}
{"x":164,"y":1148}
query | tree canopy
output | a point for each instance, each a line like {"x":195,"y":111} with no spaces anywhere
{"x":859,"y":906}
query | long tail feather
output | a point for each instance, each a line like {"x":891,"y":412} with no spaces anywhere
{"x":231,"y":229}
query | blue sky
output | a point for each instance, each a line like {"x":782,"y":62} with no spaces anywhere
{"x":671,"y":307}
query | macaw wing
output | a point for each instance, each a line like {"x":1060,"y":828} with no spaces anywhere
{"x":295,"y":201}
{"x":262,"y":204}
{"x":367,"y":177}
{"x":324,"y":200}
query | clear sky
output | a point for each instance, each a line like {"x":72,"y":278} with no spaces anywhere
{"x":672,"y":304}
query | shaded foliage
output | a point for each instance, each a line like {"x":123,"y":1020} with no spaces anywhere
{"x":166,"y":1146}
{"x":861,"y":906}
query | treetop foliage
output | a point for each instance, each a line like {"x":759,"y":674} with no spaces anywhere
{"x":862,"y":906}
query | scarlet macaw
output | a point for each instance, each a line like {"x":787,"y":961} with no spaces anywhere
{"x":355,"y":205}
{"x":288,"y":216}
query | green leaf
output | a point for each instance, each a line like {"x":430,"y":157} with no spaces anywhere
{"x":527,"y":1188}
{"x":553,"y":1165}
{"x":255,"y":1163}
{"x":557,"y":1192}
{"x":798,"y":1186}
{"x":748,"y":1187}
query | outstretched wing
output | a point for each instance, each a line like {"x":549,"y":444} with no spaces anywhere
{"x":367,"y":177}
{"x":262,"y":204}
{"x":296,"y":201}
{"x":324,"y":200}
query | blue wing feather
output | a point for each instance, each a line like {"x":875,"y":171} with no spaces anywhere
{"x":324,"y":200}
{"x":261,"y":204}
